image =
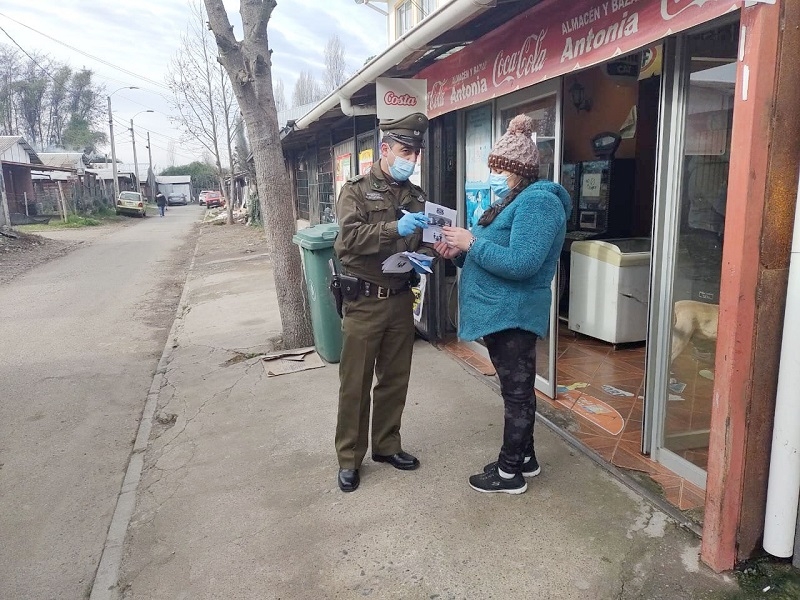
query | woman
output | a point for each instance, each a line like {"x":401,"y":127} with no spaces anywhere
{"x":508,"y":262}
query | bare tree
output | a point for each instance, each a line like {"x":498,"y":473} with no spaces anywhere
{"x":202,"y":94}
{"x":249,"y":67}
{"x":229,"y":112}
{"x":280,"y":96}
{"x":335,"y":64}
{"x":306,"y":89}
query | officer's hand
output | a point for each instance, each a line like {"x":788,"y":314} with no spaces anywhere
{"x":410,"y":222}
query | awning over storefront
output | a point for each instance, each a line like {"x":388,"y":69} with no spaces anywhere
{"x":554,"y":38}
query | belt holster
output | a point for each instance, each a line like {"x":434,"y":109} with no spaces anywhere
{"x":350,"y":286}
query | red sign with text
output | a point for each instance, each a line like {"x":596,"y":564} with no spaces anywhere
{"x":554,"y":38}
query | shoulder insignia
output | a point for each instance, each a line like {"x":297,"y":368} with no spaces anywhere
{"x":356,"y":179}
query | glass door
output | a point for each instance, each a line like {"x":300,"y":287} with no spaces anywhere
{"x":543,"y":104}
{"x":689,"y":234}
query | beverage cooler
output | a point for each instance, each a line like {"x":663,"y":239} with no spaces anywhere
{"x":609,"y":293}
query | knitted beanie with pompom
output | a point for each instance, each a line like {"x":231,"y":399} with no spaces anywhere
{"x":515,"y":151}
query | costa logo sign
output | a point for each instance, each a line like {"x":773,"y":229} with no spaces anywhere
{"x":392,"y":99}
{"x":672,"y":8}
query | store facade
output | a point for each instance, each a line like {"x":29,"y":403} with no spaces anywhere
{"x":659,"y":117}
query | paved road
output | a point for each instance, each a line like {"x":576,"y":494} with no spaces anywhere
{"x":80,"y":339}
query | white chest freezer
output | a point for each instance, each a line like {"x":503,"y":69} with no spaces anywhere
{"x":609,"y":289}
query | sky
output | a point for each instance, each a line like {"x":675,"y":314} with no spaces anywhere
{"x":131,"y":43}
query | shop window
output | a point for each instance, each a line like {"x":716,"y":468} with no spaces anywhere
{"x":543,"y":113}
{"x":403,"y":17}
{"x":710,"y":77}
{"x":478,"y":144}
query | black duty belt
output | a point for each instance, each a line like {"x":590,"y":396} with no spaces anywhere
{"x":373,"y":290}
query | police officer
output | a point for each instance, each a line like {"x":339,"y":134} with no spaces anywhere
{"x":379,"y":213}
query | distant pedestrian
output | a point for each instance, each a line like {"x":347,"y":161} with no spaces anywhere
{"x":508,"y":261}
{"x":162,"y":203}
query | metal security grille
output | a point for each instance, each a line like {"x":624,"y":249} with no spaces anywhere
{"x":320,"y":187}
{"x":302,"y":192}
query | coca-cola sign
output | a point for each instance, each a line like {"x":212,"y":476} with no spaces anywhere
{"x":557,"y":37}
{"x":673,"y":8}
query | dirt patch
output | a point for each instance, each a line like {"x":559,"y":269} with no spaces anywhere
{"x":221,"y":242}
{"x":25,"y":251}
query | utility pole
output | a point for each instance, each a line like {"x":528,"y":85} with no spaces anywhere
{"x":150,"y":170}
{"x":135,"y":162}
{"x":113,"y":154}
{"x":133,"y":140}
{"x":113,"y":149}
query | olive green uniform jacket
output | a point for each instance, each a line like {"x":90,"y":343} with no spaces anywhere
{"x":368,"y":209}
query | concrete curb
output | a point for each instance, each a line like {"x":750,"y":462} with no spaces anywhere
{"x":106,"y":578}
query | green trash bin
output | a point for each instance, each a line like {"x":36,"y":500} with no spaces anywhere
{"x":317,"y":244}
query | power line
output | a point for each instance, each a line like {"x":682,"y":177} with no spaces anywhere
{"x":79,"y":51}
{"x":33,"y":60}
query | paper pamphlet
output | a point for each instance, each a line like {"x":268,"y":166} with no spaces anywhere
{"x":438,"y":217}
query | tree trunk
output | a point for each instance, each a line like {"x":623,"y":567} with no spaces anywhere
{"x":279,"y":226}
{"x":248,"y":66}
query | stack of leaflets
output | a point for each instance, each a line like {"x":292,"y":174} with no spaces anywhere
{"x":403,"y":262}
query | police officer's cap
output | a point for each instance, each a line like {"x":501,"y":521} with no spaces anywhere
{"x":409,"y":130}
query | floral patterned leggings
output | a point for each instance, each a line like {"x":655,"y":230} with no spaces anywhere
{"x":513,"y":354}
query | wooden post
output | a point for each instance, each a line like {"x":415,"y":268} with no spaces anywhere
{"x":5,"y":217}
{"x":762,"y":190}
{"x":25,"y":196}
{"x":63,"y":202}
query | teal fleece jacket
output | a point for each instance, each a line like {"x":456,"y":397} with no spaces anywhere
{"x":506,"y":275}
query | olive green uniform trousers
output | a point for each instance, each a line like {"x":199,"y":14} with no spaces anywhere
{"x":378,"y":339}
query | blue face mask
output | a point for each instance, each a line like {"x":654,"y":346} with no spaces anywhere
{"x":499,"y":185}
{"x":401,"y":169}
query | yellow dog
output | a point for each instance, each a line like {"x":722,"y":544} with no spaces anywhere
{"x":693,"y":318}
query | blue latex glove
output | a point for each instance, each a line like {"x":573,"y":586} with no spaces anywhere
{"x":410,"y":222}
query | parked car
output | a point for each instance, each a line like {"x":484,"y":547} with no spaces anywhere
{"x":131,"y":203}
{"x":214,"y":200}
{"x":202,"y":197}
{"x":175,"y":198}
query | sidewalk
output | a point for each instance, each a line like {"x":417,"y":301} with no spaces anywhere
{"x":238,"y":497}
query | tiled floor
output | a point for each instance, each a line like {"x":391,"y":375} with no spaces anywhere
{"x":600,"y":390}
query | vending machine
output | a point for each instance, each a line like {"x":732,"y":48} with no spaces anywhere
{"x":605,"y":199}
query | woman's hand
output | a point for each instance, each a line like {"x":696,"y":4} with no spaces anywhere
{"x":457,"y":237}
{"x":446,"y":251}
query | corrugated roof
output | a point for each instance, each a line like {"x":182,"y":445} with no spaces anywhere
{"x":108,"y":173}
{"x":72,"y":160}
{"x":7,"y":141}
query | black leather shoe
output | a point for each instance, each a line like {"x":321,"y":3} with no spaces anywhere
{"x":348,"y":480}
{"x":402,"y":460}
